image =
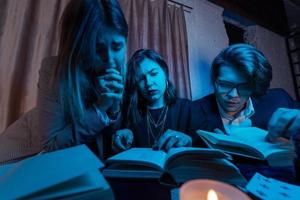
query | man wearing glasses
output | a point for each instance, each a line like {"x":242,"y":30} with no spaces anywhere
{"x":241,"y":75}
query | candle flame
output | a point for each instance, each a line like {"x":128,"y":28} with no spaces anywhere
{"x":212,"y":195}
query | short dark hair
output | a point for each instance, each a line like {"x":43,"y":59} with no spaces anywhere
{"x":134,"y":102}
{"x":249,"y":61}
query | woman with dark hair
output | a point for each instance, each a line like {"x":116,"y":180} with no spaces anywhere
{"x":153,"y":114}
{"x":81,"y":89}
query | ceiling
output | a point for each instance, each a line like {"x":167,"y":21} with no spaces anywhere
{"x":293,"y":14}
{"x":279,"y":16}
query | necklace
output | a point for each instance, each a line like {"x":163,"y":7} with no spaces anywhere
{"x":158,"y":126}
{"x":159,"y":120}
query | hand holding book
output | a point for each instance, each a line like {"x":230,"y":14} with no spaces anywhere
{"x":284,"y":123}
{"x":250,"y":142}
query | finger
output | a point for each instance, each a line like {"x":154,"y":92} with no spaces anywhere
{"x":129,"y":141}
{"x":155,"y":146}
{"x":277,"y":124}
{"x":294,"y":125}
{"x":171,"y":142}
{"x":102,"y":85}
{"x":112,"y":77}
{"x":115,"y":86}
{"x":218,"y":131}
{"x":184,"y":141}
{"x":162,"y":140}
{"x":278,"y":118}
{"x":112,"y":70}
{"x":181,"y":142}
{"x":118,"y":142}
{"x":271,"y":136}
{"x":276,"y":115}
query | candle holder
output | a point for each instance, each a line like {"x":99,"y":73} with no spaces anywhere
{"x":205,"y":189}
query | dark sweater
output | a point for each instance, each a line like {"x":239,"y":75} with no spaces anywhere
{"x":177,"y":119}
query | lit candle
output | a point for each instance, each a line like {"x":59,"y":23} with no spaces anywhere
{"x":204,"y":189}
{"x":212,"y":195}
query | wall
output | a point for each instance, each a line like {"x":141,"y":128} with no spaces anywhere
{"x":207,"y":37}
{"x":274,"y":48}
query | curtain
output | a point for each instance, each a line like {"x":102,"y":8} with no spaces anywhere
{"x":157,"y":25}
{"x":29,"y":33}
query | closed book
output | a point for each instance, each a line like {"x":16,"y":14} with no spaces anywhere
{"x":72,"y":173}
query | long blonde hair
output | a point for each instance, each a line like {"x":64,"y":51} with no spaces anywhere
{"x":74,"y":74}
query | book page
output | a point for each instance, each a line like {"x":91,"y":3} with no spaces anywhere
{"x":251,"y":138}
{"x":219,"y":169}
{"x":233,"y":144}
{"x":140,"y":156}
{"x":221,"y":139}
{"x":46,"y":170}
{"x":256,"y":137}
{"x":195,"y":153}
{"x":91,"y":181}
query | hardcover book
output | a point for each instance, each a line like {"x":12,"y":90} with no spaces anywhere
{"x":182,"y":164}
{"x":71,"y":173}
{"x":250,"y":142}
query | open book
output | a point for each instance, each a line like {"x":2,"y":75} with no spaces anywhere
{"x":71,"y":173}
{"x":183,"y":163}
{"x":250,"y":142}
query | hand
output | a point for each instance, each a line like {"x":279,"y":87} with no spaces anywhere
{"x":283,"y":123}
{"x":110,"y":86}
{"x":219,"y":131}
{"x":123,"y":139}
{"x":171,"y":139}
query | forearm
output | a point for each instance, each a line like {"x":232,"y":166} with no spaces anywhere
{"x":58,"y":134}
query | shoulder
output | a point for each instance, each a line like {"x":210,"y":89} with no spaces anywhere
{"x":277,"y":91}
{"x":180,"y":104}
{"x":206,"y":104}
{"x":276,"y":94}
{"x":275,"y":97}
{"x":206,"y":100}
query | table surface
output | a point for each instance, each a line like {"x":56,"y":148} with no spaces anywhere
{"x":140,"y":189}
{"x":153,"y":189}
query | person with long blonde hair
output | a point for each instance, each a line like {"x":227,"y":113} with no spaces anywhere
{"x":81,"y":89}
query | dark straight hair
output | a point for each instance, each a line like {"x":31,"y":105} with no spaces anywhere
{"x":135,"y":105}
{"x":249,"y":61}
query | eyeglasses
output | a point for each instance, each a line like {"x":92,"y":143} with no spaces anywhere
{"x":243,"y":89}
